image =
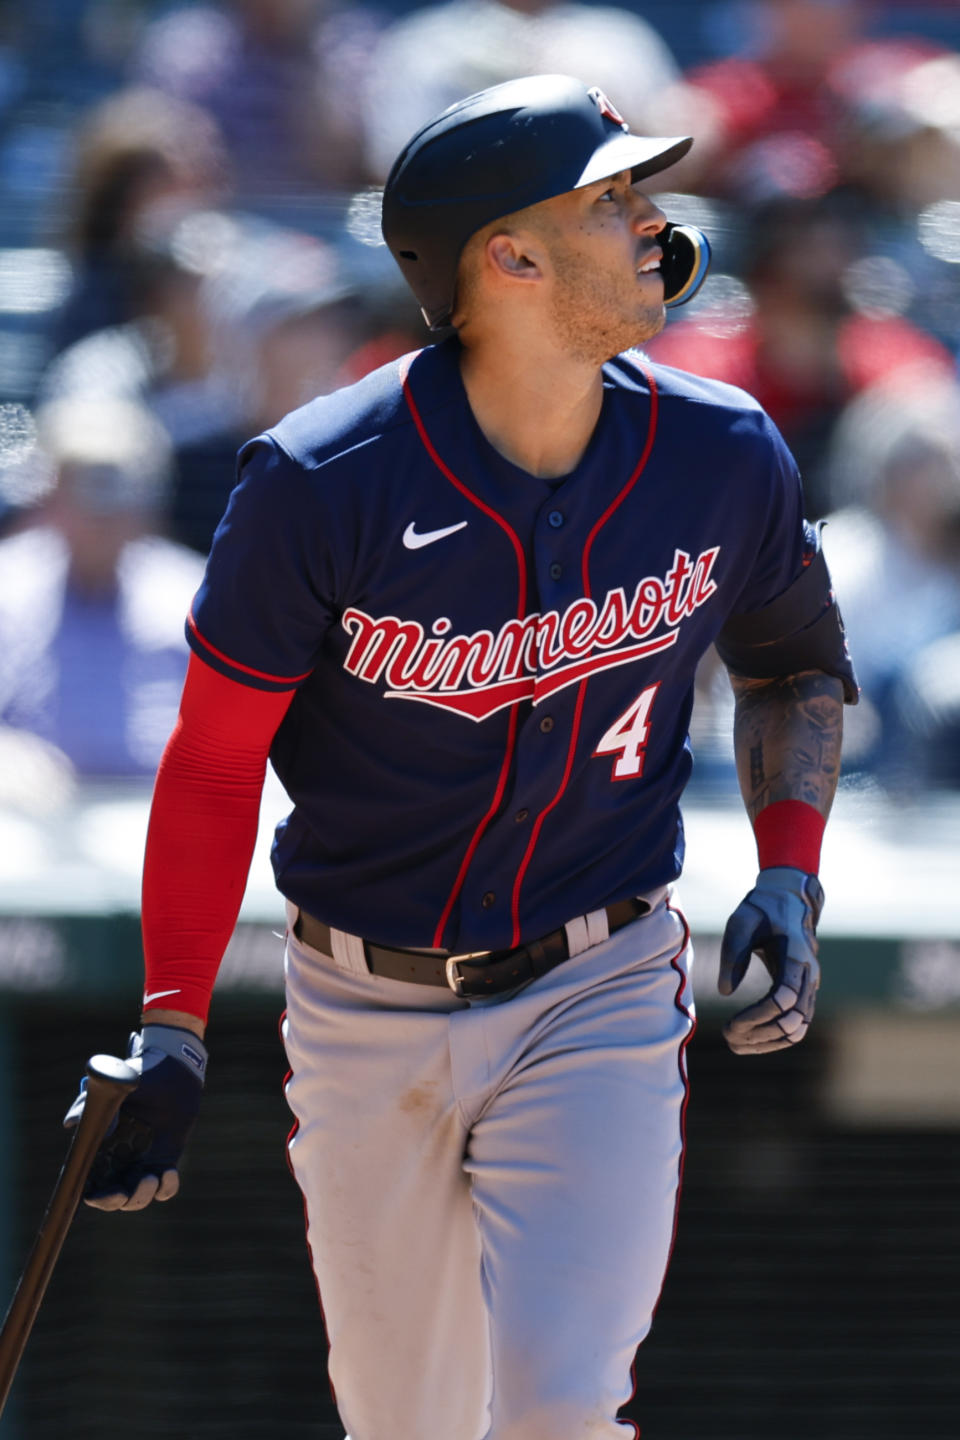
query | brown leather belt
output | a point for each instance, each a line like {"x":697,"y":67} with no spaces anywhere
{"x":487,"y":972}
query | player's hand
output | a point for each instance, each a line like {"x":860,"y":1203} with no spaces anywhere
{"x":776,"y":921}
{"x":137,"y":1162}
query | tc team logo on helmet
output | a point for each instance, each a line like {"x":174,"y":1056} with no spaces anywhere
{"x":501,"y":150}
{"x":605,"y":108}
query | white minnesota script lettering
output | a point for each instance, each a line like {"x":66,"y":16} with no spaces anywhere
{"x":530,"y":659}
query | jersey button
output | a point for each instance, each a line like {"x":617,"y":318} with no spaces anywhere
{"x":555,"y":518}
{"x":546,"y":724}
{"x":556,"y":570}
{"x":488,"y":900}
{"x":521,"y":815}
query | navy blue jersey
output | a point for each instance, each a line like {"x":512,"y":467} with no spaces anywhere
{"x":494,"y":672}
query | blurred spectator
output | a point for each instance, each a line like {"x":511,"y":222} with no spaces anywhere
{"x":163,"y":358}
{"x":900,"y":165}
{"x":894,"y":551}
{"x":900,"y":142}
{"x":928,"y":704}
{"x":802,"y":340}
{"x":135,"y":150}
{"x":241,"y":321}
{"x":285,"y":317}
{"x":92,"y":654}
{"x":279,"y":76}
{"x":441,"y":53}
{"x":781,"y":102}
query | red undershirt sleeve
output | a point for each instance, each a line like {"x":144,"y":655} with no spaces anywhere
{"x":203,"y":827}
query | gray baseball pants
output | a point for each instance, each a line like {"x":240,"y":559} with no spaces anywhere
{"x":490,"y":1188}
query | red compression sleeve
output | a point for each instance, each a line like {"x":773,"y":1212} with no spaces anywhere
{"x":203,"y":827}
{"x":789,"y":832}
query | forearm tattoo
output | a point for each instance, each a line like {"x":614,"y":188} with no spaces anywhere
{"x":787,"y":735}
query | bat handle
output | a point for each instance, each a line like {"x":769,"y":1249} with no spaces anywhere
{"x":109,"y":1082}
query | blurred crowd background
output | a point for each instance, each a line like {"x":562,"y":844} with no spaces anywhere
{"x":189,"y":247}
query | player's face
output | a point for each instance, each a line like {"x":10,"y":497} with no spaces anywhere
{"x":606,"y":290}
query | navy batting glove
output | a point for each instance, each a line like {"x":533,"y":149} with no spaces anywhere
{"x":138,"y":1160}
{"x":776,"y":921}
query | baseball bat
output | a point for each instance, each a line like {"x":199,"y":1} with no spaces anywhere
{"x":109,"y":1082}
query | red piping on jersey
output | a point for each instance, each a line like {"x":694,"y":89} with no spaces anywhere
{"x":538,"y":823}
{"x":474,"y":499}
{"x":582,"y":690}
{"x":521,"y":609}
{"x":478,"y":833}
{"x":678,"y":1001}
{"x":290,"y":680}
{"x":618,"y":499}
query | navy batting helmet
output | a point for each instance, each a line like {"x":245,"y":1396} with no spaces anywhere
{"x":511,"y":146}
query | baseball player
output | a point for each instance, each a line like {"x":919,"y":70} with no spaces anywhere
{"x":460,"y":605}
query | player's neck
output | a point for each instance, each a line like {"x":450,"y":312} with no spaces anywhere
{"x":539,"y":415}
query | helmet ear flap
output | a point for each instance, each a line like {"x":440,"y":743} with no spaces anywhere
{"x":686,"y":260}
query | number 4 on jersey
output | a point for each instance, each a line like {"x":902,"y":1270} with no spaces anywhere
{"x":628,"y":735}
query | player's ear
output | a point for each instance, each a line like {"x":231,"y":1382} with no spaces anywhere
{"x":516,"y":256}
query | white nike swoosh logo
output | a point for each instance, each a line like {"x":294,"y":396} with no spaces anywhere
{"x":159,"y":995}
{"x":413,"y":541}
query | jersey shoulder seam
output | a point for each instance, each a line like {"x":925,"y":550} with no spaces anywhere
{"x":722,"y":395}
{"x":321,"y":460}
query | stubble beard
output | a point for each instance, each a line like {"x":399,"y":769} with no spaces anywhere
{"x":596,"y":315}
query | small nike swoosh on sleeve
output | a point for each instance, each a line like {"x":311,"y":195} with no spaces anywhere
{"x":413,"y":541}
{"x":159,"y":995}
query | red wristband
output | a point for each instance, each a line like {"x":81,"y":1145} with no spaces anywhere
{"x":789,"y":832}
